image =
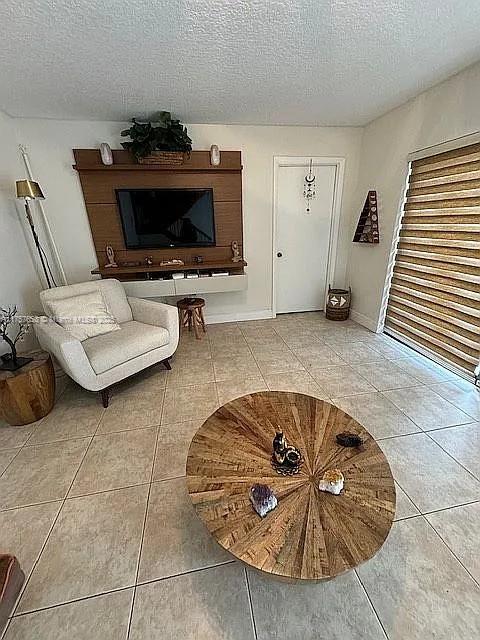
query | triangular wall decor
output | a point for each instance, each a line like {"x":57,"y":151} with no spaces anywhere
{"x":367,"y":227}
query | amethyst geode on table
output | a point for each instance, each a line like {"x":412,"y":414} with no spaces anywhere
{"x":262,"y":498}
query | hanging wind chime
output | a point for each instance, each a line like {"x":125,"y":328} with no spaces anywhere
{"x":309,"y":186}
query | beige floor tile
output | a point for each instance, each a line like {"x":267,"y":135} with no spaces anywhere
{"x":205,"y":605}
{"x":62,"y":383}
{"x":333,"y":334}
{"x":41,"y":473}
{"x":266,"y":343}
{"x":132,"y":411}
{"x":387,"y":347}
{"x":464,"y":395}
{"x":76,"y":394}
{"x":423,"y":370}
{"x":172,"y":449}
{"x":429,"y":476}
{"x":463,"y":444}
{"x":192,"y":348}
{"x":230,"y":389}
{"x":6,"y":456}
{"x":357,"y":353}
{"x":235,"y":367}
{"x":100,"y":618}
{"x":405,"y":507}
{"x":300,"y":340}
{"x":250,"y":330}
{"x":150,"y":380}
{"x":357,"y":333}
{"x":190,"y":371}
{"x":231,"y":349}
{"x":189,"y":403}
{"x":318,"y":356}
{"x":69,"y":419}
{"x":341,"y":381}
{"x":11,"y":437}
{"x":23,"y":531}
{"x":116,"y":460}
{"x":426,"y":408}
{"x":418,"y":589}
{"x":377,"y":414}
{"x":459,"y":528}
{"x":312,"y":611}
{"x":222,"y":328}
{"x":93,"y":548}
{"x":385,"y":375}
{"x":175,"y":540}
{"x":298,"y":381}
{"x":278,"y":362}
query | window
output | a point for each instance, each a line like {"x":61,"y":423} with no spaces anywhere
{"x":434,"y":297}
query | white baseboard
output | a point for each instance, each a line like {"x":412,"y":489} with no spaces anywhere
{"x":217,"y":318}
{"x":365,"y":321}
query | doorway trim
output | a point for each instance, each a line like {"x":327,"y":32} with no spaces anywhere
{"x":318,"y":161}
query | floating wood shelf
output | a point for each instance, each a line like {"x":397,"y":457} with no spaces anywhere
{"x":197,"y":162}
{"x":367,"y":227}
{"x":112,"y":272}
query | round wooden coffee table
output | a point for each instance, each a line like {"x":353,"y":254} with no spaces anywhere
{"x":311,"y":535}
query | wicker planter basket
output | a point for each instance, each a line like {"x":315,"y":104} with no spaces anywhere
{"x":166,"y":158}
{"x":338,"y":304}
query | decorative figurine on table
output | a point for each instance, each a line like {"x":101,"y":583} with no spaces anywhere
{"x":263,"y":499}
{"x":349,"y":439}
{"x":332,"y":481}
{"x":110,"y":257}
{"x":236,"y":257}
{"x":286,"y":459}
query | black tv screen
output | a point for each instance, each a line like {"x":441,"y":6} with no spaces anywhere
{"x":157,"y":218}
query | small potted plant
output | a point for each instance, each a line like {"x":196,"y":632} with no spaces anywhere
{"x":11,"y":361}
{"x":162,"y":141}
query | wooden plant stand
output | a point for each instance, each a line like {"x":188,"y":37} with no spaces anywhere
{"x":28,"y":394}
{"x":191,"y":315}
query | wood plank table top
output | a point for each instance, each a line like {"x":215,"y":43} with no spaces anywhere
{"x":310,"y":535}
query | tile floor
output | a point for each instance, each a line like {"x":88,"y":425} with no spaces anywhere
{"x":112,"y":549}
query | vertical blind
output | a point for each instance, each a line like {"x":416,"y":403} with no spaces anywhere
{"x":434,"y":297}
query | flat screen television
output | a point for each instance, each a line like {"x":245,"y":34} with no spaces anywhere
{"x":159,"y":218}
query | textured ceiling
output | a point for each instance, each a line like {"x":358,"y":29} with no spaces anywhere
{"x":319,"y":62}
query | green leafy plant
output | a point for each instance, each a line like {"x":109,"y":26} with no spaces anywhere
{"x":168,"y":135}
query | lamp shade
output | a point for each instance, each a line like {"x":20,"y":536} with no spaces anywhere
{"x":29,"y":189}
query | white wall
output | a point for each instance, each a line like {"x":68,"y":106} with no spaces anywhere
{"x":19,"y":284}
{"x":449,"y":110}
{"x":50,"y":143}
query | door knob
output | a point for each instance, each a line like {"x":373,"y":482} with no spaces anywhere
{"x":279,"y":254}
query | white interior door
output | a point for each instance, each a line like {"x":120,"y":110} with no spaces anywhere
{"x":302,"y":244}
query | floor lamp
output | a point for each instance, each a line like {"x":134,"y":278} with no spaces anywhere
{"x":29,"y":190}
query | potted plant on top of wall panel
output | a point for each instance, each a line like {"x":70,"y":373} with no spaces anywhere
{"x":166,"y":143}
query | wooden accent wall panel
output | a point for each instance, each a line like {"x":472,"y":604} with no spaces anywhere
{"x":99,"y":183}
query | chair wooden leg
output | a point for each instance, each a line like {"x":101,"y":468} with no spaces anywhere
{"x":105,"y":393}
{"x":166,"y":364}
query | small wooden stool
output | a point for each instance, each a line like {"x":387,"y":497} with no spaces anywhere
{"x":191,"y":315}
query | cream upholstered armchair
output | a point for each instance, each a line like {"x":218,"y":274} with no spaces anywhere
{"x":146,"y":334}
